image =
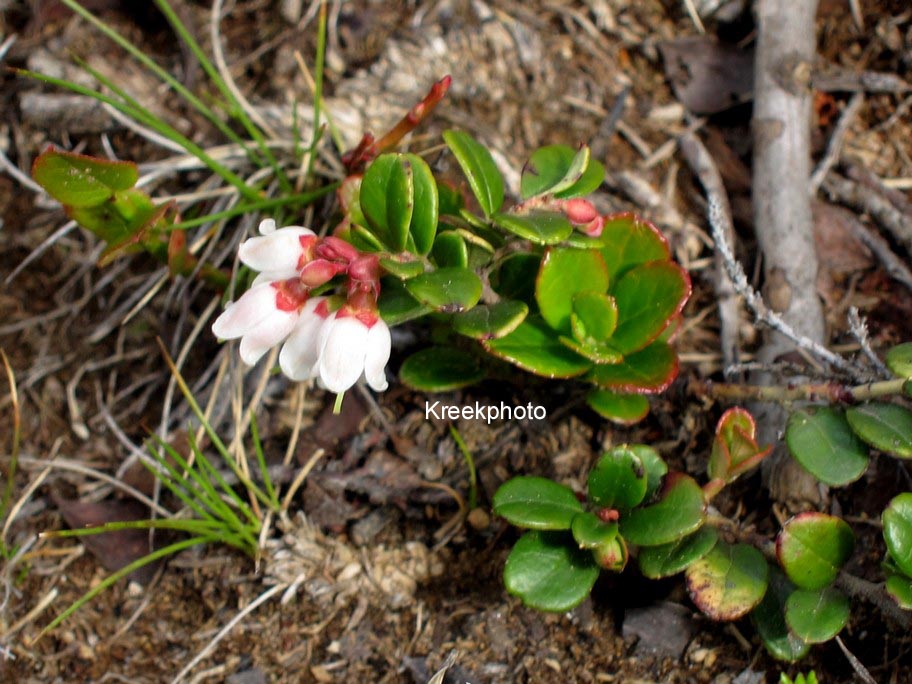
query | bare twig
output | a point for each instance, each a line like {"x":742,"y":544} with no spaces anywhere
{"x":870,"y":238}
{"x":860,"y":669}
{"x":859,"y":329}
{"x":877,"y":205}
{"x":703,"y":166}
{"x":755,"y":302}
{"x":834,"y":148}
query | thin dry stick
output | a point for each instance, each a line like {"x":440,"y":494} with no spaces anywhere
{"x":702,"y":164}
{"x":252,"y":606}
{"x":755,"y":302}
{"x":860,"y":669}
{"x":834,"y":147}
{"x":898,"y":224}
{"x":859,"y":329}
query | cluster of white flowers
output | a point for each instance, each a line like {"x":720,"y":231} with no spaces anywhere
{"x":333,"y":339}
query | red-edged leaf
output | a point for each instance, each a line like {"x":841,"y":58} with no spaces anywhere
{"x":648,"y":371}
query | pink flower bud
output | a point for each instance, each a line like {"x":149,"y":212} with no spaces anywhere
{"x":319,"y":271}
{"x":334,"y":249}
{"x":580,"y":211}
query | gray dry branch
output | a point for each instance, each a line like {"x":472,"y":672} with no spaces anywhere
{"x":782,"y":209}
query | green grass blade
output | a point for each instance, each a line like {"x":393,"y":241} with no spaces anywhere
{"x":178,"y":485}
{"x":470,"y":464}
{"x":164,"y":76}
{"x":154,"y":123}
{"x":171,"y":549}
{"x":261,"y":460}
{"x":260,"y":205}
{"x":318,"y":89}
{"x":192,"y":525}
{"x":237,"y":111}
{"x":213,"y":472}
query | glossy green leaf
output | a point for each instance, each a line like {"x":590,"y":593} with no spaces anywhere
{"x":735,"y":449}
{"x":629,"y":241}
{"x":122,"y":218}
{"x":728,"y":582}
{"x":401,"y":269}
{"x":396,"y":304}
{"x":364,"y":239}
{"x":536,"y":503}
{"x":899,"y":360}
{"x":648,"y":371}
{"x":479,"y":168}
{"x":816,"y":615}
{"x":514,"y":277}
{"x":449,"y":290}
{"x":623,"y":409}
{"x":769,"y":619}
{"x":534,"y":347}
{"x":590,"y":531}
{"x":678,"y":512}
{"x":594,"y":351}
{"x":79,"y":181}
{"x":897,"y":531}
{"x":899,"y":587}
{"x":450,"y":250}
{"x":548,"y":572}
{"x":887,"y":427}
{"x":562,"y":171}
{"x":450,"y":201}
{"x":594,"y":316}
{"x":440,"y":369}
{"x":490,"y":321}
{"x":387,"y":199}
{"x":812,"y":547}
{"x":423,"y":226}
{"x":669,"y":559}
{"x":656,"y":469}
{"x":539,"y":227}
{"x":648,"y":296}
{"x":821,"y":441}
{"x":618,"y":480}
{"x":564,"y":273}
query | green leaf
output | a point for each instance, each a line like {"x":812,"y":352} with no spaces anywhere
{"x":401,"y":269}
{"x":450,"y":249}
{"x":601,"y":353}
{"x":440,"y":369}
{"x":450,"y":200}
{"x":817,"y":615}
{"x":887,"y":427}
{"x":449,"y":290}
{"x":490,"y":321}
{"x":514,"y":277}
{"x":670,"y":559}
{"x":564,"y":273}
{"x":728,"y":582}
{"x":79,"y":181}
{"x":396,"y":304}
{"x":561,"y":171}
{"x":897,"y":531}
{"x":769,"y":619}
{"x":479,"y":168}
{"x":624,"y":409}
{"x":534,"y":347}
{"x":536,"y":503}
{"x":423,"y":226}
{"x":629,"y":241}
{"x":618,"y":480}
{"x":594,"y":316}
{"x":822,"y":442}
{"x":899,"y":587}
{"x":648,"y":371}
{"x":648,"y":296}
{"x":812,"y":547}
{"x":548,"y":572}
{"x":388,"y":199}
{"x":656,"y":469}
{"x":678,"y":512}
{"x":590,"y":531}
{"x":899,"y":360}
{"x":539,"y":227}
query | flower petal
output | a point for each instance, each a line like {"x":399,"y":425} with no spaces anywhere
{"x":273,"y":276}
{"x":342,"y":353}
{"x":301,"y":351}
{"x":379,"y":344}
{"x":246,"y":313}
{"x":267,"y":334}
{"x":277,"y":251}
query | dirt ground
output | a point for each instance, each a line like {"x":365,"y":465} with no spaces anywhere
{"x":392,"y":580}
